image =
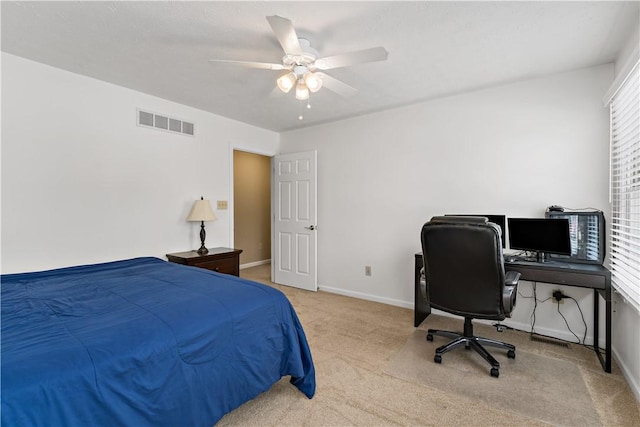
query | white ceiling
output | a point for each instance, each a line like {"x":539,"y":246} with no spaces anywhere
{"x":435,"y":48}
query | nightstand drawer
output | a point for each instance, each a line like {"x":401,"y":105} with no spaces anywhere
{"x":222,"y":260}
{"x":225,"y":265}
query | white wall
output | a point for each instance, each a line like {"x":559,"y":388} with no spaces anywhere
{"x":81,"y":183}
{"x":513,"y":150}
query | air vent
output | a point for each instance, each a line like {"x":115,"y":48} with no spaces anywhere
{"x":162,"y":122}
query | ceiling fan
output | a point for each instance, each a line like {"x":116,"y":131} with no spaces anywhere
{"x":304,"y":69}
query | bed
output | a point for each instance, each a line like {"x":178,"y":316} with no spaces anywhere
{"x":143,"y":342}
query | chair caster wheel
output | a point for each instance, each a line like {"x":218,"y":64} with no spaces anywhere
{"x":495,"y":372}
{"x":511,"y":354}
{"x":437,"y":358}
{"x":467,"y":347}
{"x":429,"y":337}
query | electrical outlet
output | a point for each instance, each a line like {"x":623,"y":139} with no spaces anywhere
{"x":367,"y":270}
{"x":558,"y":296}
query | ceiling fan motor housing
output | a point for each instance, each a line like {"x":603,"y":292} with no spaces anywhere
{"x":305,"y":58}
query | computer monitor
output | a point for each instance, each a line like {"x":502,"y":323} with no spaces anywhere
{"x":587,"y":235}
{"x":499,"y":220}
{"x":544,"y":236}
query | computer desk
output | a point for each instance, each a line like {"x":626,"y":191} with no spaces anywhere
{"x":589,"y":276}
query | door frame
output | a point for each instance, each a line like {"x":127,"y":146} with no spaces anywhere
{"x":239,"y":146}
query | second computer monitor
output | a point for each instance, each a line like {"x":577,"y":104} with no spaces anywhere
{"x":540,"y":235}
{"x":499,"y":220}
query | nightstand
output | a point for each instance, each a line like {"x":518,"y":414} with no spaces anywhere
{"x":221,"y":260}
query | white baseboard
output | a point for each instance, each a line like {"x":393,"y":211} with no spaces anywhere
{"x":367,"y":297}
{"x":254,"y":264}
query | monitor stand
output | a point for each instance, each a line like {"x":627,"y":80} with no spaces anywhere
{"x":541,"y":257}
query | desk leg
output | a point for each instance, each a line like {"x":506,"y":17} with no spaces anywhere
{"x":606,"y":362}
{"x":596,"y":325}
{"x":607,"y":301}
{"x":421,"y":307}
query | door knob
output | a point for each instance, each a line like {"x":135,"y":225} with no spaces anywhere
{"x":311,"y":227}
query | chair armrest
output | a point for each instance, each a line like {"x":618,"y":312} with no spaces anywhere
{"x":511,"y":278}
{"x":423,"y":284}
{"x":510,"y":291}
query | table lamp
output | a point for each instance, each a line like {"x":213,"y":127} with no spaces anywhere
{"x":201,"y":211}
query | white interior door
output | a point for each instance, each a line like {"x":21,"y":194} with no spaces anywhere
{"x":294,"y":256}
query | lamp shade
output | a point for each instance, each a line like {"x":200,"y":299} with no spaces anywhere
{"x":201,"y":211}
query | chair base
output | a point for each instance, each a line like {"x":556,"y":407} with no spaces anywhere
{"x":468,"y":340}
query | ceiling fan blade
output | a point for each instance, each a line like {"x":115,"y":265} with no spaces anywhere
{"x":336,"y":85}
{"x":250,"y":64}
{"x":285,"y":33}
{"x":358,"y":57}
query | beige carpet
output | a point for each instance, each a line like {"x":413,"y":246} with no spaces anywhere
{"x":355,"y":343}
{"x":527,"y":385}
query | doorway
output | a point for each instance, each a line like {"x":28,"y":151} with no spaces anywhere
{"x":252,"y":208}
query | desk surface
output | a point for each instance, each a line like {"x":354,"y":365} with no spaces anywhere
{"x":558,"y":265}
{"x":561,"y":273}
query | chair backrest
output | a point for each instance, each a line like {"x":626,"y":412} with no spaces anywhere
{"x":464,"y":266}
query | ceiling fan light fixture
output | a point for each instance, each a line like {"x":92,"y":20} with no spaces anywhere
{"x":313,"y":81}
{"x":302,"y":91}
{"x":286,"y":82}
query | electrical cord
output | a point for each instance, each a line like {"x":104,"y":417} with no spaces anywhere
{"x":558,"y":296}
{"x":533,"y":314}
{"x":535,"y":306}
{"x":566,"y":323}
{"x":584,"y":338}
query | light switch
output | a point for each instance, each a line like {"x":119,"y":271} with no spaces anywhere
{"x":222,"y":204}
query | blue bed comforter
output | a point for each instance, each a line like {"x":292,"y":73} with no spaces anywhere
{"x":142,"y":342}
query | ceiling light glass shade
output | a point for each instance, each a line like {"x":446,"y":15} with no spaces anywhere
{"x":286,"y":82}
{"x":302,"y":91}
{"x":313,"y":81}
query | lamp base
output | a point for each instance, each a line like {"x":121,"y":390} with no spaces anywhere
{"x":203,"y":234}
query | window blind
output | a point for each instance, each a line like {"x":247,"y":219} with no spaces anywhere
{"x":625,"y":188}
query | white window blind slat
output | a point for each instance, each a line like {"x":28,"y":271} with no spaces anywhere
{"x":624,"y":238}
{"x":625,"y":108}
{"x":626,"y":138}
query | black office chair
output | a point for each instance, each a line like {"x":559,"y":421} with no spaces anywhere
{"x":465,"y":276}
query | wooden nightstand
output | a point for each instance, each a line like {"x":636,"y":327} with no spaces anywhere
{"x":221,"y":260}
